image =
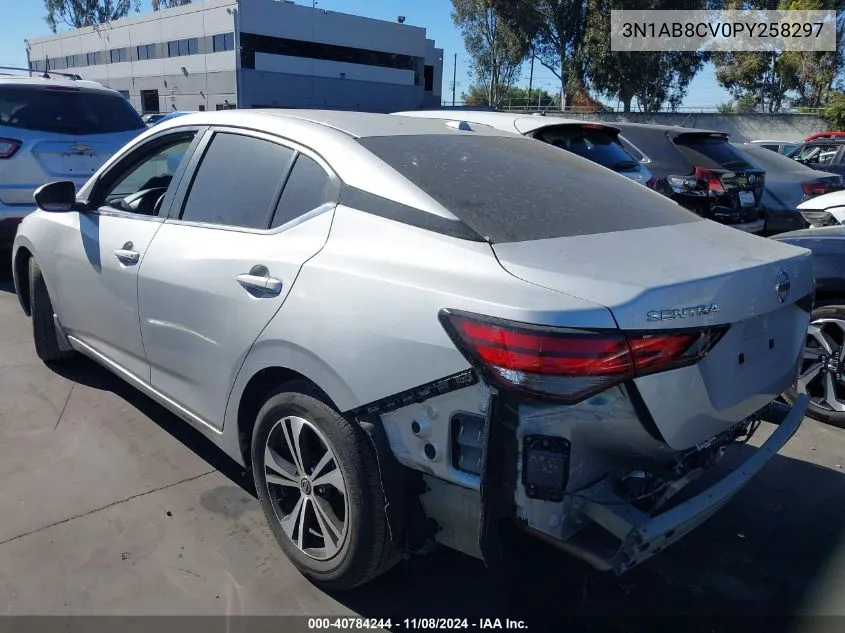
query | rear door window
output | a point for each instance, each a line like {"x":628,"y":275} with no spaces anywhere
{"x":66,"y":110}
{"x":238,"y":182}
{"x":516,"y":189}
{"x":305,"y":190}
{"x":703,"y":150}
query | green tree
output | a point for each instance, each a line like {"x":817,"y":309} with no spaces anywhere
{"x":79,"y":13}
{"x":168,"y":4}
{"x":655,"y":79}
{"x":556,"y":30}
{"x":834,"y":111}
{"x":496,"y":50}
{"x":511,"y":95}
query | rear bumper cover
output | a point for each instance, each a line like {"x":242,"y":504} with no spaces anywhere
{"x":638,"y":536}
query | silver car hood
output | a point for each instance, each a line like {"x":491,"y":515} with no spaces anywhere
{"x":667,"y":268}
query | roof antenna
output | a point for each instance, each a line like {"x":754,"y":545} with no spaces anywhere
{"x":684,"y":122}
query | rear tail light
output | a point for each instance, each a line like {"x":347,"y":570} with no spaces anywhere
{"x":569,"y":365}
{"x":651,"y":183}
{"x":819,"y":219}
{"x":711,"y":178}
{"x":8,"y":146}
{"x":818,"y":187}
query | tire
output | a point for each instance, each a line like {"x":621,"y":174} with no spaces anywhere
{"x":827,"y":327}
{"x":43,"y":324}
{"x":361,"y":548}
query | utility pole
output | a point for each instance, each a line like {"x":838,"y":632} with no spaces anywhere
{"x":530,"y":82}
{"x":454,"y":79}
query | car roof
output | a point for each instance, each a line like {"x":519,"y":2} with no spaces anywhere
{"x":506,"y":121}
{"x":835,"y":140}
{"x":759,"y":141}
{"x":332,"y":135}
{"x":672,"y":131}
{"x":352,"y":124}
{"x":56,"y":82}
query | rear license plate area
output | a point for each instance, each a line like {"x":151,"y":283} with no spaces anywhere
{"x":746,"y":198}
{"x":82,"y":164}
{"x":545,"y":466}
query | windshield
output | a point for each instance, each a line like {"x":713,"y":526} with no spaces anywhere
{"x":771,"y":161}
{"x":516,"y":189}
{"x":66,"y":111}
{"x":711,"y":151}
{"x":596,"y":145}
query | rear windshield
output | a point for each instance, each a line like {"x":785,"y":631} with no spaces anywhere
{"x":769,"y":160}
{"x":66,"y":111}
{"x":518,"y":189}
{"x":711,"y":151}
{"x":596,"y":145}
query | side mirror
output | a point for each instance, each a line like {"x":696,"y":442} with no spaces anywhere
{"x":56,"y":197}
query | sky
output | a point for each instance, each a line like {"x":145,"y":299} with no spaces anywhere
{"x":25,"y":19}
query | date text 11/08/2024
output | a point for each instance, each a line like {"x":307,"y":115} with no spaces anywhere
{"x":430,"y":624}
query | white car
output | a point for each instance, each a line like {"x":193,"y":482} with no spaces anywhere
{"x":826,"y":210}
{"x":54,"y":128}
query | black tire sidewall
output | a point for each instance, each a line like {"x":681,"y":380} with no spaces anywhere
{"x":826,"y":310}
{"x":349,"y":447}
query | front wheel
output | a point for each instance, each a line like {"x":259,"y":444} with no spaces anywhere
{"x":319,"y":487}
{"x":822,"y":374}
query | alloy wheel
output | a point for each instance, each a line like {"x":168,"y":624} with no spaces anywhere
{"x":306,"y":487}
{"x":822,"y":374}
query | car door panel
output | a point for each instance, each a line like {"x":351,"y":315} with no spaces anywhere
{"x":98,"y":291}
{"x":198,"y":321}
{"x":101,"y":251}
{"x":216,"y":273}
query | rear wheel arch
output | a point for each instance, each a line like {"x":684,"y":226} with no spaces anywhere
{"x":21,"y":272}
{"x":258,"y":390}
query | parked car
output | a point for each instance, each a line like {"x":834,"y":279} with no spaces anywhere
{"x":824,"y":135}
{"x":826,"y":210}
{"x":822,"y":375}
{"x":168,"y":116}
{"x":702,"y":171}
{"x":152,"y":119}
{"x":788,"y":184}
{"x":416,"y":329}
{"x":823,"y":154}
{"x":54,"y":128}
{"x":596,"y":142}
{"x":781,"y":147}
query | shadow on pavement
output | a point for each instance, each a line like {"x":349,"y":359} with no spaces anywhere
{"x":762,"y":555}
{"x":87,"y":372}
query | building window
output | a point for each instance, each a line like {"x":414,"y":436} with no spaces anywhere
{"x":118,"y":55}
{"x":147,"y":51}
{"x":58,"y":63}
{"x":251,"y":44}
{"x":149,"y":102}
{"x":429,"y":78}
{"x":179,"y":48}
{"x":91,"y":59}
{"x":223,"y":42}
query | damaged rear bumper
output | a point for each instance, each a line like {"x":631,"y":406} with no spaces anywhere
{"x":617,"y":535}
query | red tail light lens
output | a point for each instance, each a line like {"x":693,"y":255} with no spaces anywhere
{"x":817,"y":187}
{"x":714,"y":184}
{"x":566,"y":365}
{"x":8,"y":146}
{"x":651,"y":183}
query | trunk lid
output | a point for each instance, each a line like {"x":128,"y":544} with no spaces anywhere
{"x":696,"y":275}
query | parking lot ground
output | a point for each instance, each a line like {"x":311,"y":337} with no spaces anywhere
{"x":110,"y":505}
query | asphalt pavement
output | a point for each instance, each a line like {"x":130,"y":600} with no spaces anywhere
{"x":111,"y":505}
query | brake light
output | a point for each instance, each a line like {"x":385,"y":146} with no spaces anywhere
{"x":62,"y":88}
{"x":817,"y":187}
{"x":566,"y":365}
{"x":714,"y":184}
{"x":8,"y":146}
{"x":651,"y":183}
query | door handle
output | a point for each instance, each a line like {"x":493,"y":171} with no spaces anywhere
{"x":262,"y":284}
{"x":126,"y":256}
